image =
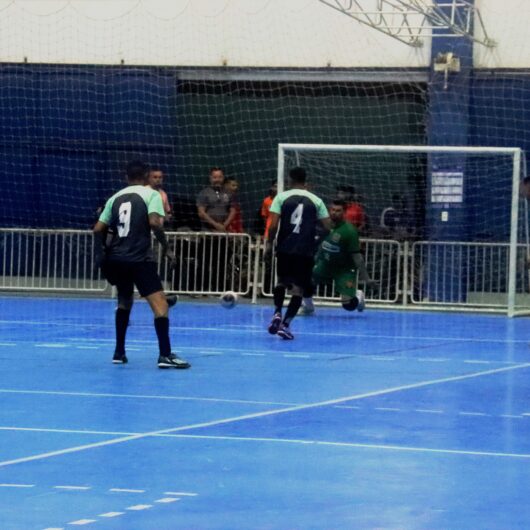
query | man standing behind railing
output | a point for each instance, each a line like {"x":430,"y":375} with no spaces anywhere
{"x":155,"y":181}
{"x":216,"y":210}
{"x":128,"y":261}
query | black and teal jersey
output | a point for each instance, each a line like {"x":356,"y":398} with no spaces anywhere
{"x":338,"y":247}
{"x":299,"y":211}
{"x":126,"y":213}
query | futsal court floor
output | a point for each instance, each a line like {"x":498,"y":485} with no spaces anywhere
{"x":380,"y":420}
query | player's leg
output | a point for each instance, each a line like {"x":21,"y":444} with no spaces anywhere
{"x":308,"y":307}
{"x":150,"y":287}
{"x":119,"y":275}
{"x":351,"y":298}
{"x":282,"y":268}
{"x":295,"y":302}
{"x":123,"y":312}
{"x":301,"y":280}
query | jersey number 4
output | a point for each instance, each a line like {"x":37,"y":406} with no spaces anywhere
{"x":296,"y":218}
{"x":124,"y":219}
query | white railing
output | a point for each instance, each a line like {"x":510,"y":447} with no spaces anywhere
{"x":48,"y":260}
{"x":209,"y":263}
{"x":423,"y":274}
{"x":466,"y":274}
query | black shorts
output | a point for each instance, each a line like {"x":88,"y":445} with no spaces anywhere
{"x":125,"y":275}
{"x":293,"y":269}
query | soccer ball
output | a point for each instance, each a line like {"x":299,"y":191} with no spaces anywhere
{"x":229,"y":299}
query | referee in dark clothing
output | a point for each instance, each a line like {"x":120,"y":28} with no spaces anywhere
{"x":294,"y":216}
{"x":128,"y":260}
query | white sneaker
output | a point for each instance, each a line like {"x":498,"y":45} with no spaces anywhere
{"x":360,"y":296}
{"x":306,"y":311}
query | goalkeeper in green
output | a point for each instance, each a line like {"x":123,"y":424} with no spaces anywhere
{"x":339,"y":258}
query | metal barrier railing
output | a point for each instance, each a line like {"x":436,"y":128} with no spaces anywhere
{"x":209,"y":263}
{"x":464,"y":274}
{"x":48,"y":260}
{"x":383,"y":259}
{"x":438,"y":274}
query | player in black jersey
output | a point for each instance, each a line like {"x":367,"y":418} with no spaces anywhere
{"x":294,"y":216}
{"x":131,"y":214}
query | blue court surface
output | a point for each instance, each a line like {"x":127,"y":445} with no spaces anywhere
{"x":377,"y":420}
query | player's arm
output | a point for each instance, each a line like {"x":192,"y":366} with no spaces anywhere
{"x":100,"y":235}
{"x":326,"y":223}
{"x":203,"y":216}
{"x":360,"y":265}
{"x":230,"y":218}
{"x":273,"y":230}
{"x":156,"y":222}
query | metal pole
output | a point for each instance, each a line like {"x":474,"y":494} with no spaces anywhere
{"x":512,"y":271}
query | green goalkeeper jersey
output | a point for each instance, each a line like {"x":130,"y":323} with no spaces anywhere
{"x":338,"y":247}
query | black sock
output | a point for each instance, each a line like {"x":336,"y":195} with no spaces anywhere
{"x":122,"y":321}
{"x":292,"y":309}
{"x":162,"y":332}
{"x":279,"y":297}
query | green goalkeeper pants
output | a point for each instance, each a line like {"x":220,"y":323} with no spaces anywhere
{"x":345,"y":279}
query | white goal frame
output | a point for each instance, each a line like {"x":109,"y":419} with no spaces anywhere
{"x":514,"y":152}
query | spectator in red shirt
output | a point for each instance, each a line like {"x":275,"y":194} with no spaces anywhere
{"x":355,"y":213}
{"x":231,"y":185}
{"x":266,"y":206}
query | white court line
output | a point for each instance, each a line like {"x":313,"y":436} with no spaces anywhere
{"x":181,"y":493}
{"x":139,"y":507}
{"x":410,"y":449}
{"x":17,"y":485}
{"x":464,"y":413}
{"x":50,"y":345}
{"x":243,"y":417}
{"x":110,"y":514}
{"x":8,"y":343}
{"x":429,"y":411}
{"x":87,"y":347}
{"x":390,"y":409}
{"x":260,"y":330}
{"x":254,"y":354}
{"x":72,"y":487}
{"x":476,"y":361}
{"x":141,"y":396}
{"x":297,"y":356}
{"x":82,"y":522}
{"x":124,"y":490}
{"x":167,"y":500}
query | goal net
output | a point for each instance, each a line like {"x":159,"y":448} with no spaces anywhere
{"x":441,"y":226}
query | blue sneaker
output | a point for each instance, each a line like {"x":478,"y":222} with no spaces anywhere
{"x":275,"y":324}
{"x":285,"y":333}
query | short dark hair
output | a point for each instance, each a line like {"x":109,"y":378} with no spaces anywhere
{"x":137,"y":170}
{"x":216,"y":168}
{"x":339,"y":202}
{"x":155,"y":168}
{"x":298,"y":175}
{"x":230,"y":179}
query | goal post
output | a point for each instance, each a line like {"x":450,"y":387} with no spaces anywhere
{"x":455,"y":212}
